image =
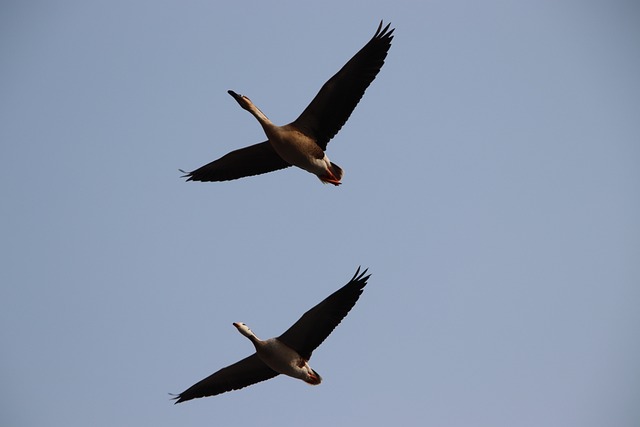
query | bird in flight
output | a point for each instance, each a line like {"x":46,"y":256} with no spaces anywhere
{"x":287,"y":354}
{"x":303,"y":142}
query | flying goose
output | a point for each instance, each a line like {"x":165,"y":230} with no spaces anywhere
{"x":287,"y":354}
{"x":302,"y":142}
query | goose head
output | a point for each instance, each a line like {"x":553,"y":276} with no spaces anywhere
{"x":244,"y":101}
{"x":244,"y":329}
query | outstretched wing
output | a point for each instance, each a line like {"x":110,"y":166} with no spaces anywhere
{"x":249,"y":370}
{"x":253,"y":160}
{"x":333,"y":105}
{"x":316,"y":324}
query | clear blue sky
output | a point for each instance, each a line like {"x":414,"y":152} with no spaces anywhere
{"x":491,"y":186}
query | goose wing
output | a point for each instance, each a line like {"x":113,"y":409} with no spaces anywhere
{"x":253,"y":160}
{"x":249,"y":370}
{"x":333,"y":105}
{"x":316,"y":324}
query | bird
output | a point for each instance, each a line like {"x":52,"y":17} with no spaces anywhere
{"x":303,"y":142}
{"x":287,"y":354}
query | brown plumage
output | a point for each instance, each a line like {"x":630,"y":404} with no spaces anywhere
{"x":287,"y":354}
{"x":302,"y":142}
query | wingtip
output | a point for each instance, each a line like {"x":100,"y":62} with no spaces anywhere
{"x":360,"y":276}
{"x":176,"y":397}
{"x":386,"y":32}
{"x":188,"y":175}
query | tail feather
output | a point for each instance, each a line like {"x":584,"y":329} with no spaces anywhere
{"x":333,"y":175}
{"x":336,"y":171}
{"x":314,"y":379}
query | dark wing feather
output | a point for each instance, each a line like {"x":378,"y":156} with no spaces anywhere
{"x":333,"y":105}
{"x":249,"y":370}
{"x":316,"y":324}
{"x":253,"y":160}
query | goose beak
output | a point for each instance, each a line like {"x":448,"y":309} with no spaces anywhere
{"x":236,"y":96}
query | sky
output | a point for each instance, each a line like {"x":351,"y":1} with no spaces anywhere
{"x":491,"y":188}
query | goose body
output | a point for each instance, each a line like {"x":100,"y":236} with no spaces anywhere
{"x":293,"y":146}
{"x":287,"y":354}
{"x":280,"y":357}
{"x":303,"y":142}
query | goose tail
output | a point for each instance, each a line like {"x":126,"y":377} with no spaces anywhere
{"x":333,"y":175}
{"x":313,"y":378}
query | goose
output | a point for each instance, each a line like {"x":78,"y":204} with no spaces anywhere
{"x":302,"y":142}
{"x":287,"y":354}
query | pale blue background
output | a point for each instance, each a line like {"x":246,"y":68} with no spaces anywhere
{"x":491,"y":186}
